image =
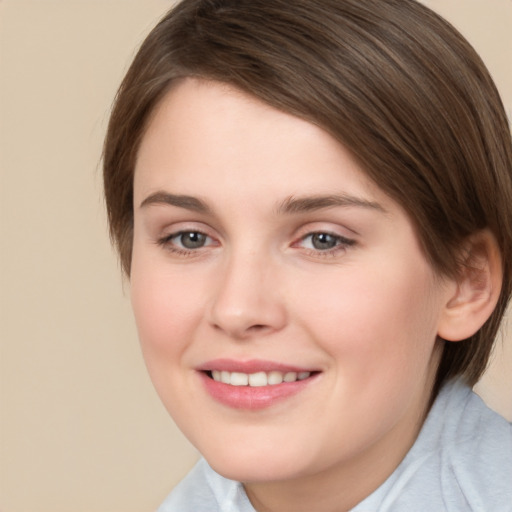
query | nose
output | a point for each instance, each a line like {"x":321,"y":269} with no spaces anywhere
{"x":248,"y":301}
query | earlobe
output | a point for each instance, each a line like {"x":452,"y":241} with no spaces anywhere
{"x":476,"y":289}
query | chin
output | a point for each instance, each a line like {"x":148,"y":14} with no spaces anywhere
{"x":257,"y":465}
{"x":247,"y":471}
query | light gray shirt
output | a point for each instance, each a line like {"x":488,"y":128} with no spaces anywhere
{"x":460,"y":462}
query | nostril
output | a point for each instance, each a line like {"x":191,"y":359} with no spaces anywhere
{"x":257,"y":328}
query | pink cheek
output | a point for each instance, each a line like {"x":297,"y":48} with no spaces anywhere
{"x":363,"y":322}
{"x":165,"y":315}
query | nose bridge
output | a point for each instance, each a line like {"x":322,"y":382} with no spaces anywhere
{"x":247,"y":299}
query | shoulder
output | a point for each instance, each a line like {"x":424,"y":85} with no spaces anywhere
{"x":463,"y":453}
{"x":461,"y":460}
{"x":475,"y":450}
{"x":206,"y":491}
{"x":191,"y":494}
{"x":461,"y":426}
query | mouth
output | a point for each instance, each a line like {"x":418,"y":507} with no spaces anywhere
{"x":253,"y":385}
{"x":257,"y":379}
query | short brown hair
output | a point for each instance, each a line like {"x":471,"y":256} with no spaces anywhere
{"x":391,"y":80}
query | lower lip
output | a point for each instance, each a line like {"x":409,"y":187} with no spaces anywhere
{"x":253,"y":398}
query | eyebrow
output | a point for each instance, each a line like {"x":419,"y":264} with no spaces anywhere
{"x":179,"y":200}
{"x":313,"y":203}
{"x":290,"y":205}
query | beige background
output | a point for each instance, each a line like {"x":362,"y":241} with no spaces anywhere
{"x":81,"y":428}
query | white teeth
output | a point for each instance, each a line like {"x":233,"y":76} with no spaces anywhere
{"x":257,"y":379}
{"x":275,"y":378}
{"x":290,"y":377}
{"x":239,"y":379}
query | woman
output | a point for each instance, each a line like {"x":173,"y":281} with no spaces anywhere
{"x":313,"y":203}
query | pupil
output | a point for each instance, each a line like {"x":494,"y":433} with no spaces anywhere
{"x":192,"y":240}
{"x":323,"y":241}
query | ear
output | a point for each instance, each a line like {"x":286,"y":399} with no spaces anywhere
{"x":476,"y":289}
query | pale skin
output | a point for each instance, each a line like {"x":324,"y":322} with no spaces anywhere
{"x":259,"y":237}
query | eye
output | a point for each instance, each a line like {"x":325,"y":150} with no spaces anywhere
{"x":191,"y":239}
{"x":184,"y":241}
{"x":325,"y":242}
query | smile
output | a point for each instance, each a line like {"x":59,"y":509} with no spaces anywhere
{"x":258,"y":379}
{"x":253,"y":385}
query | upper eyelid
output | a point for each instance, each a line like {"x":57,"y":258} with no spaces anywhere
{"x":331,"y":228}
{"x":344,"y":239}
{"x":175,"y":228}
{"x":330,"y":233}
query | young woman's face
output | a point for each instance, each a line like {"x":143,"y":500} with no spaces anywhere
{"x":287,"y":315}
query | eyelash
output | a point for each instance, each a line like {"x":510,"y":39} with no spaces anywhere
{"x":341,"y":243}
{"x":167,"y":242}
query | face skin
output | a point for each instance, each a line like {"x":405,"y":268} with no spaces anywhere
{"x":259,"y":239}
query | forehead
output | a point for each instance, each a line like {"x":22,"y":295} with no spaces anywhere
{"x":205,"y":133}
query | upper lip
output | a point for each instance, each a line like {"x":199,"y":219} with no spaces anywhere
{"x":250,"y":366}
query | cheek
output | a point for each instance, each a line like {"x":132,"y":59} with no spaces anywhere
{"x":376,"y":321}
{"x":166,"y":306}
{"x":167,"y":312}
